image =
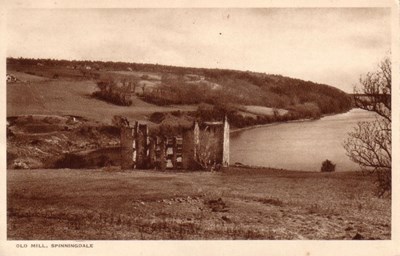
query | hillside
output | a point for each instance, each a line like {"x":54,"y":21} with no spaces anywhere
{"x":69,"y":97}
{"x":168,"y":85}
{"x":47,"y":91}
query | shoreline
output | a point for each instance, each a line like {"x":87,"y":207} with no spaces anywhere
{"x":284,"y":122}
{"x":231,"y":168}
{"x":272,"y":124}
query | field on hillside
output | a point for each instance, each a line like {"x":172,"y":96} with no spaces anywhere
{"x":66,"y":97}
{"x":147,"y":75}
{"x":24,"y":77}
{"x":259,"y":110}
{"x":233,"y":204}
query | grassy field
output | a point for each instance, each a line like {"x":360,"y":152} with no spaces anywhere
{"x":24,"y":77}
{"x":66,"y":97}
{"x":150,"y":75}
{"x":233,"y":204}
{"x":259,"y":110}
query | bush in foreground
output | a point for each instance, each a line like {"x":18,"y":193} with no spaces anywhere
{"x":328,"y":166}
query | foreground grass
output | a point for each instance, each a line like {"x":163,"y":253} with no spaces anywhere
{"x":233,"y":204}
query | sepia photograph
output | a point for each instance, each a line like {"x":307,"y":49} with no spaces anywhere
{"x":198,"y":124}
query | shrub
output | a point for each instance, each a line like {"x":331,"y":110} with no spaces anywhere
{"x":109,"y":130}
{"x":306,"y":110}
{"x":157,"y":117}
{"x":11,"y":156}
{"x":102,"y":161}
{"x":111,"y":92}
{"x":120,"y":121}
{"x":70,"y":160}
{"x":10,"y":134}
{"x":328,"y":166}
{"x":177,"y":113}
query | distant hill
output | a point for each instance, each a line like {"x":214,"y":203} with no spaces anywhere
{"x":72,"y":83}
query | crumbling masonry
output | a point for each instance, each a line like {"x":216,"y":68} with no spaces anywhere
{"x":139,"y":150}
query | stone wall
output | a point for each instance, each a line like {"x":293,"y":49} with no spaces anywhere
{"x":225,"y":143}
{"x":139,"y":150}
{"x":127,"y":148}
{"x":190,"y":139}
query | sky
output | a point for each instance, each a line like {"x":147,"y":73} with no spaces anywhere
{"x":333,"y":46}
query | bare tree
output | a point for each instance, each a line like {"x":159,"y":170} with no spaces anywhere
{"x":369,"y":144}
{"x":375,"y":94}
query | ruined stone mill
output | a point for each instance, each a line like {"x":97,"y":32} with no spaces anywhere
{"x":201,"y":146}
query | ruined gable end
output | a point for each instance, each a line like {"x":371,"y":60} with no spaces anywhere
{"x":198,"y":147}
